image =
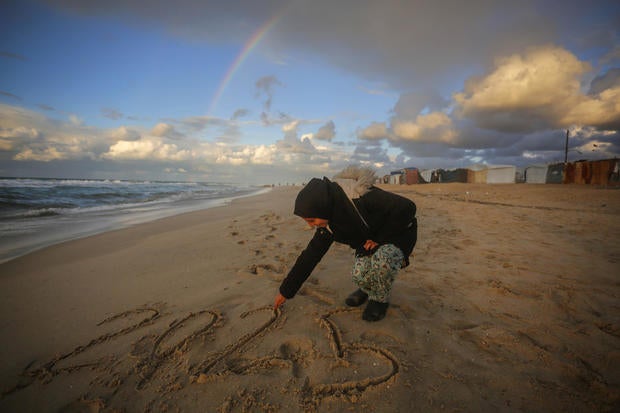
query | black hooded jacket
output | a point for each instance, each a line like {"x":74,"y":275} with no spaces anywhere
{"x":386,"y":218}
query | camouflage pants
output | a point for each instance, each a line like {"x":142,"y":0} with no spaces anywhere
{"x":375,"y":274}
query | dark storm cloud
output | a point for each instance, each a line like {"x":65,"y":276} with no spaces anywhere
{"x":393,"y":41}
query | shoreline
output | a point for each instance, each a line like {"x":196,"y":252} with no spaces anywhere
{"x":509,"y":304}
{"x":102,"y":224}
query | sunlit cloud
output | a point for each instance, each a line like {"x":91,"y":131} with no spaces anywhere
{"x":434,"y":127}
{"x":524,"y":92}
{"x":374,"y":131}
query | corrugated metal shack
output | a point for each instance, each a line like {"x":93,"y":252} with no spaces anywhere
{"x":583,"y":172}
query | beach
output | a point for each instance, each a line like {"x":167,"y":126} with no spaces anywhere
{"x":511,"y":303}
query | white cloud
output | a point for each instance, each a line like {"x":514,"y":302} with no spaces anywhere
{"x":146,"y":148}
{"x":264,"y":155}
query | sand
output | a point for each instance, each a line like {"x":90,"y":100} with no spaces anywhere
{"x":512,"y":303}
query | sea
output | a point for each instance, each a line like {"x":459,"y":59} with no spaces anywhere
{"x":35,"y":212}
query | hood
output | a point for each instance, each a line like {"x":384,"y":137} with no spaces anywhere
{"x":355,"y":181}
{"x":314,"y":200}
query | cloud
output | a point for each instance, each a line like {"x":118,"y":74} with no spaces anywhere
{"x":515,"y":111}
{"x":380,"y":90}
{"x":370,"y":154}
{"x":605,"y":81}
{"x":45,"y":107}
{"x":112,"y":113}
{"x":291,"y":143}
{"x":326,"y":132}
{"x":11,"y":137}
{"x":613,"y":56}
{"x":42,"y":155}
{"x":411,"y":104}
{"x":394,"y":43}
{"x":15,"y":56}
{"x":434,"y":127}
{"x":601,"y":111}
{"x":45,"y":140}
{"x":264,"y":89}
{"x":28,"y":135}
{"x":20,"y":132}
{"x":146,"y":149}
{"x":75,"y":120}
{"x":374,"y":131}
{"x":198,"y":123}
{"x":124,"y":133}
{"x":239,"y":113}
{"x":524,"y":93}
{"x":164,"y":130}
{"x":10,"y":95}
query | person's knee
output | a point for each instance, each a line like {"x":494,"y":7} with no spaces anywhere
{"x":389,"y":255}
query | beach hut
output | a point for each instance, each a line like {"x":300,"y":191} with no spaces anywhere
{"x":412,"y":176}
{"x":614,"y":173}
{"x":583,"y":172}
{"x":520,"y":175}
{"x":453,"y":175}
{"x":501,"y":174}
{"x":428,"y":175}
{"x":536,"y":174}
{"x":601,"y":172}
{"x":555,"y":173}
{"x":477,"y":174}
{"x":396,"y":178}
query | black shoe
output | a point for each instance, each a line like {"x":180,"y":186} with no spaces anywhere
{"x":375,"y":310}
{"x":356,"y":298}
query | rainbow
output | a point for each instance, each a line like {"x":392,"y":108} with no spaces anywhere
{"x":245,"y":51}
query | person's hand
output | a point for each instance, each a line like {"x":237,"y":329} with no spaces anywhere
{"x":370,"y":244}
{"x":280,"y":299}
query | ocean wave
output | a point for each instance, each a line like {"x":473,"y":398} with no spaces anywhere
{"x":27,"y":198}
{"x":30,"y":213}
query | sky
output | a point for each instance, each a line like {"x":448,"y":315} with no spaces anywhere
{"x":279,"y":91}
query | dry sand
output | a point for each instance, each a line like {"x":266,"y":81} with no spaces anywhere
{"x":511,"y":304}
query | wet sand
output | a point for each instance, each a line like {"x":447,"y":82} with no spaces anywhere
{"x":512,"y":303}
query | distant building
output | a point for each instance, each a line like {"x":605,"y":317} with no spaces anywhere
{"x":536,"y":174}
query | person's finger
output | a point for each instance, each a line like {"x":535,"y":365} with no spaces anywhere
{"x":280,"y":299}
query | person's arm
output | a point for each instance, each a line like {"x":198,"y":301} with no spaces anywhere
{"x":303,"y":267}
